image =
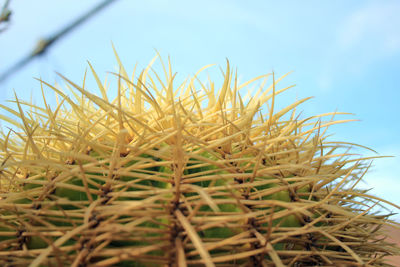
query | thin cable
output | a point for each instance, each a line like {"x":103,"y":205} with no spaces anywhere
{"x":45,"y":43}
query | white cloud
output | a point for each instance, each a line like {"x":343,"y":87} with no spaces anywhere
{"x":375,"y":25}
{"x":207,"y":11}
{"x":368,"y":35}
{"x":325,"y":80}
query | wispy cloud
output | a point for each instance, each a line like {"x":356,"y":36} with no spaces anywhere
{"x":377,"y":24}
{"x":368,"y":35}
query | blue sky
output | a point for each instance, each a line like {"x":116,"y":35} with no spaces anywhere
{"x":345,"y":53}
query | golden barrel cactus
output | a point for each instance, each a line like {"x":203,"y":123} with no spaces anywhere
{"x":181,"y":175}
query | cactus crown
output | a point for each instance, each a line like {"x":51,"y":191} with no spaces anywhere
{"x":186,"y":174}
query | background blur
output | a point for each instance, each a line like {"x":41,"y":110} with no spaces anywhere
{"x":345,"y":53}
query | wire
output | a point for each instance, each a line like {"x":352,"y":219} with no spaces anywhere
{"x":44,"y":44}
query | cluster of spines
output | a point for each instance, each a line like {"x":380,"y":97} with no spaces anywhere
{"x":178,"y":182}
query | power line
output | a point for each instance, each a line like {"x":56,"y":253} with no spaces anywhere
{"x":45,"y":43}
